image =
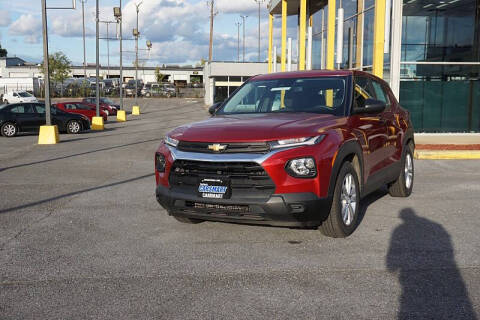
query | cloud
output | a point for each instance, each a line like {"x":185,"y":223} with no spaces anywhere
{"x":27,"y":26}
{"x":4,"y":18}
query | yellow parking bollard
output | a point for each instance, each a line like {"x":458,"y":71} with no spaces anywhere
{"x":48,"y":135}
{"x":97,"y":123}
{"x":136,"y":110}
{"x":121,"y":116}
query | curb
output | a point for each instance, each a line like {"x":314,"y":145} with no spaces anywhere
{"x":447,"y":154}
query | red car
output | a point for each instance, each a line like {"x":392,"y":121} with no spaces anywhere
{"x":106,"y":105}
{"x":297,"y":149}
{"x":81,"y":108}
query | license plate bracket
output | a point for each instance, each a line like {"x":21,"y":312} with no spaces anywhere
{"x":214,"y":188}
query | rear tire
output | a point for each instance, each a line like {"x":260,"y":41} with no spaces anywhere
{"x":187,"y":220}
{"x":74,"y":127}
{"x":343,"y":216}
{"x":9,"y":130}
{"x":5,"y":101}
{"x":403,"y":186}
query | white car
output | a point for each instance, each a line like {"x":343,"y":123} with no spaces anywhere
{"x":18,"y":96}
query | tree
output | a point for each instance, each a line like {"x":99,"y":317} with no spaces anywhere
{"x":3,"y":52}
{"x":59,"y":66}
{"x":158,"y":75}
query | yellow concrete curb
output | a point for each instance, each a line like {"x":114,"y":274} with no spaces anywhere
{"x":97,"y":123}
{"x":121,"y":116}
{"x":48,"y":135}
{"x":135,"y":110}
{"x":447,"y":154}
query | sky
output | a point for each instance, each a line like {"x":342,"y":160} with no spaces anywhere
{"x":178,"y":29}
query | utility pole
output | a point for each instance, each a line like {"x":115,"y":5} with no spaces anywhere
{"x":238,"y":24}
{"x":259,"y":4}
{"x":243,"y":18}
{"x":136,"y":33}
{"x":84,"y":49}
{"x":213,"y":13}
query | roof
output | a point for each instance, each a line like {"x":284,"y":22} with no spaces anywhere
{"x":303,"y":74}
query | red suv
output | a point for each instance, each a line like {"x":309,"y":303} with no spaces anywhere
{"x":297,"y":149}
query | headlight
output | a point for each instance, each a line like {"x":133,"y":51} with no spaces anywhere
{"x":295,"y":142}
{"x":171,"y":142}
{"x":160,"y":162}
{"x":302,"y":168}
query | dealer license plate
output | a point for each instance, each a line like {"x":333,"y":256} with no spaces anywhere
{"x":214,"y":188}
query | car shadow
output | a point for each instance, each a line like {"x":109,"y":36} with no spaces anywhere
{"x":422,"y":254}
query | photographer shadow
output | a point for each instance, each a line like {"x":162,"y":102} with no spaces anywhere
{"x":421,"y":252}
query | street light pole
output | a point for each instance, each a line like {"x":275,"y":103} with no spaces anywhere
{"x":243,"y":18}
{"x":117,"y":13}
{"x":136,"y":33}
{"x":108,"y":52}
{"x":84,"y":49}
{"x":259,"y":4}
{"x":97,"y":59}
{"x":45,"y":64}
{"x":238,"y":24}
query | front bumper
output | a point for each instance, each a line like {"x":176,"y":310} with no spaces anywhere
{"x":289,"y":209}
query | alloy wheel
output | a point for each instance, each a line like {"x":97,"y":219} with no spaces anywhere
{"x":74,"y":127}
{"x":9,"y":130}
{"x":408,"y":170}
{"x":348,"y":199}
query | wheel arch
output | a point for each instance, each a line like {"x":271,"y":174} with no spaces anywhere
{"x":349,"y":151}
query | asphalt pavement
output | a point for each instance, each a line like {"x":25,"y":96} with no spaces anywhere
{"x":82,"y":237}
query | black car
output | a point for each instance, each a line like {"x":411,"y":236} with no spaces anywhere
{"x":28,"y":117}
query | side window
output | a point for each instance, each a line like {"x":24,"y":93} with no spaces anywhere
{"x":18,"y":109}
{"x":15,"y":94}
{"x":70,"y":107}
{"x":380,"y":93}
{"x":363,"y":91}
{"x":40,"y":108}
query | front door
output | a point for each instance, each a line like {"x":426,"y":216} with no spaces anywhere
{"x":25,"y":116}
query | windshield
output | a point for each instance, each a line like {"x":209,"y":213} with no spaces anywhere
{"x":24,"y":94}
{"x":314,"y":95}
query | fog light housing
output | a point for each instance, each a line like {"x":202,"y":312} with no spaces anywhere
{"x":302,"y":167}
{"x":160,"y":162}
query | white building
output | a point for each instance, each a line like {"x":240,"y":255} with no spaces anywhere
{"x":13,"y":67}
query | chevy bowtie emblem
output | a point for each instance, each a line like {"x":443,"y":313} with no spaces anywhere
{"x":217,"y":147}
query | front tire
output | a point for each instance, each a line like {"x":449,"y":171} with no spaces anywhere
{"x":74,"y":127}
{"x":403,"y":186}
{"x":343,"y":216}
{"x":9,"y":130}
{"x":187,"y":220}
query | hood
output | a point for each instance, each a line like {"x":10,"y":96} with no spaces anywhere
{"x":256,"y":127}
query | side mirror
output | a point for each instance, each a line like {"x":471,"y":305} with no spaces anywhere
{"x":372,"y":106}
{"x":214,"y":107}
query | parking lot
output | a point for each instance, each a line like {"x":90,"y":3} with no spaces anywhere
{"x":82,"y":237}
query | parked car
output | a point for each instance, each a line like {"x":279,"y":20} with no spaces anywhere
{"x":87,"y":110}
{"x":170,"y":89}
{"x":130,"y":88}
{"x":28,"y":117}
{"x":109,"y":109}
{"x":18,"y":96}
{"x":153,"y":89}
{"x":297,"y":149}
